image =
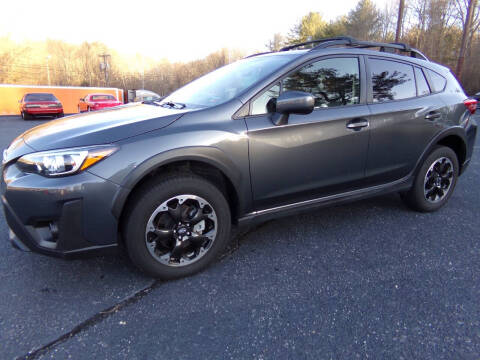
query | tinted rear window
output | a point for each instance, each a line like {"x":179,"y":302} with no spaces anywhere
{"x":40,"y":97}
{"x":102,"y":97}
{"x":437,"y":81}
{"x":392,"y":80}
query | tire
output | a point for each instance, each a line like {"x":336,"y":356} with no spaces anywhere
{"x":430,"y":193}
{"x":60,"y":115}
{"x":166,"y":193}
{"x":88,"y":109}
{"x":26,"y":116}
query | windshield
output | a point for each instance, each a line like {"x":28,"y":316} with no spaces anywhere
{"x":40,"y":97}
{"x":102,"y":97}
{"x":227,"y":82}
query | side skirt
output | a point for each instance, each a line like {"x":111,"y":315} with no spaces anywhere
{"x":256,"y":217}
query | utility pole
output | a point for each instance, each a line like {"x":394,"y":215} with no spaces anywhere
{"x":401,"y":7}
{"x":105,"y":66}
{"x":48,"y":70}
{"x":472,"y":4}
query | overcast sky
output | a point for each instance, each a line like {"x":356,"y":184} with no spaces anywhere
{"x":178,"y":30}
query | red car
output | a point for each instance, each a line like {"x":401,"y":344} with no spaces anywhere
{"x":97,"y":101}
{"x":41,"y":104}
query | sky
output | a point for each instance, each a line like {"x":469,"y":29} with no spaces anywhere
{"x":176,"y":30}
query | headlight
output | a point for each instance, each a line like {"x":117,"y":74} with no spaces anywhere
{"x":63,"y":162}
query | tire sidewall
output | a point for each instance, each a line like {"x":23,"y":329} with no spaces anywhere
{"x":152,"y":196}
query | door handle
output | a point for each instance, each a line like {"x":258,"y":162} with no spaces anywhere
{"x":357,"y":124}
{"x":432,"y":115}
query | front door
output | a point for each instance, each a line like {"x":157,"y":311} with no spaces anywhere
{"x":313,"y":155}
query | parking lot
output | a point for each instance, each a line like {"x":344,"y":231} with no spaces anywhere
{"x":370,"y":279}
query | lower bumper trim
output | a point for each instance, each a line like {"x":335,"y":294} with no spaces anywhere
{"x":70,"y":243}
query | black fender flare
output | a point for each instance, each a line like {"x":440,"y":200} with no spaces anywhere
{"x":457,"y":131}
{"x":207,"y":154}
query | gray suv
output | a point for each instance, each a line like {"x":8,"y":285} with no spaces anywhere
{"x":266,"y":136}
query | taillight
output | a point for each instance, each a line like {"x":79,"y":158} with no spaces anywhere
{"x":471,"y":105}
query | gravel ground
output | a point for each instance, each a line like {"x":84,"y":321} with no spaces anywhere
{"x":370,"y":279}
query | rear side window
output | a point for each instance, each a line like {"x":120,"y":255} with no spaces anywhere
{"x":437,"y":81}
{"x":333,"y":82}
{"x":392,"y":80}
{"x":422,"y":85}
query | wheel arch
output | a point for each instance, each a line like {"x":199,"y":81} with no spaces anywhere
{"x":207,"y":162}
{"x":453,"y":138}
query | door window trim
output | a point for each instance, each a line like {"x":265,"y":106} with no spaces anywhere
{"x":416,"y":83}
{"x":370,"y":83}
{"x":362,"y":73}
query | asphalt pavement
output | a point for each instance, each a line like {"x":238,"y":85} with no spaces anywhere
{"x":369,"y":280}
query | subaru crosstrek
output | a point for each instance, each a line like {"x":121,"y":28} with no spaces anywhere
{"x":266,"y":136}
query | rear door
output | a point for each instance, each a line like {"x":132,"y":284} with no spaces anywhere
{"x":316,"y":154}
{"x":404,"y":118}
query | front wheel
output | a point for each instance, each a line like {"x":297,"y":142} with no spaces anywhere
{"x":435,"y":181}
{"x":176,"y":226}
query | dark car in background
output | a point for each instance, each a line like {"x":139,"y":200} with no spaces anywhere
{"x":93,"y":102}
{"x":267,"y":136}
{"x":40,"y":104}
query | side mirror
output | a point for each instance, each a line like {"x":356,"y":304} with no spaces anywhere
{"x":291,"y":102}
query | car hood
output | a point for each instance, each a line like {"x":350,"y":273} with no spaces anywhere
{"x":100,"y":127}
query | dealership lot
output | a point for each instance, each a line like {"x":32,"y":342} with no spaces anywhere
{"x":370,"y":279}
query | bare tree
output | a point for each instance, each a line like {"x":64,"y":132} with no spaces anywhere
{"x":472,"y":4}
{"x":398,"y":32}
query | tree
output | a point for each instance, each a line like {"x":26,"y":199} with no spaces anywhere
{"x":310,"y":27}
{"x":398,"y":32}
{"x":276,"y":43}
{"x":467,"y":25}
{"x":364,"y":21}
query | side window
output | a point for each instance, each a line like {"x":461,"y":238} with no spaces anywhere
{"x":437,"y":81}
{"x":392,"y":80}
{"x":333,"y":82}
{"x":259,"y":105}
{"x":422,"y":85}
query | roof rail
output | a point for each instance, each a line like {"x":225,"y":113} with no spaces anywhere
{"x":349,"y":41}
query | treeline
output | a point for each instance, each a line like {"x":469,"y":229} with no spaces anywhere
{"x":55,"y":62}
{"x":433,"y":26}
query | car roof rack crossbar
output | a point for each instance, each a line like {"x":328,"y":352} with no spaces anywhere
{"x":349,"y":41}
{"x":342,"y":39}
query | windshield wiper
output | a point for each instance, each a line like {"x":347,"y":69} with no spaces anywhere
{"x":173,"y":105}
{"x":169,"y":104}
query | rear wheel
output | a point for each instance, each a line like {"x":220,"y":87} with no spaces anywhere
{"x":435,"y":181}
{"x":176,"y":226}
{"x":26,"y":116}
{"x":60,"y":115}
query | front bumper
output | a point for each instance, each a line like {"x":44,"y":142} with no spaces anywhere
{"x":58,"y":216}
